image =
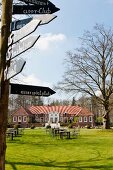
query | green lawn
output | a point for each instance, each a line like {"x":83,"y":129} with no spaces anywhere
{"x":36,"y":150}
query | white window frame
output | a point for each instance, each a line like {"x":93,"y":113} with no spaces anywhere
{"x":90,"y":118}
{"x":19,"y":118}
{"x":15,"y":119}
{"x":80,"y":119}
{"x":85,"y":119}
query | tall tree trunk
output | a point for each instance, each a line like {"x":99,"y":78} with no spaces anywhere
{"x":4,"y":84}
{"x":3,"y":124}
{"x":107,"y":125}
{"x":106,"y":117}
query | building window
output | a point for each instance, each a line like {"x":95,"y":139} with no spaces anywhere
{"x":41,"y":119}
{"x":14,"y":119}
{"x":80,"y":119}
{"x":90,"y":118}
{"x":51,"y":120}
{"x":24,"y":119}
{"x":56,"y":119}
{"x":85,"y":119}
{"x":45,"y":119}
{"x":61,"y":119}
{"x":19,"y":119}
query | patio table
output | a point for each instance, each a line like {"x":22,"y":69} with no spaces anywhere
{"x":64,"y":133}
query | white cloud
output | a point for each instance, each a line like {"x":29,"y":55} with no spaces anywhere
{"x":49,"y":40}
{"x":98,"y":93}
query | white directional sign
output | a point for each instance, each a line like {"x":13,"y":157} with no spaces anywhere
{"x":26,"y":30}
{"x":23,"y":45}
{"x":45,"y":18}
{"x":16,"y":66}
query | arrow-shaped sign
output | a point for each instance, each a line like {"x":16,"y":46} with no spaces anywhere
{"x":26,"y":30}
{"x":16,"y":66}
{"x":31,"y":90}
{"x":45,"y":19}
{"x":24,"y":45}
{"x":34,"y":9}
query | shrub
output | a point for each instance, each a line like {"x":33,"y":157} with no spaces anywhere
{"x":88,"y":126}
{"x":48,"y":126}
{"x":63,"y":124}
{"x":16,"y":126}
{"x":70,"y":125}
{"x":32,"y":126}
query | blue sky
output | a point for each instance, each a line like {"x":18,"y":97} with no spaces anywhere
{"x":44,"y":65}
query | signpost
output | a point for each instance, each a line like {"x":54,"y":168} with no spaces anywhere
{"x":16,"y":66}
{"x":34,"y":9}
{"x":31,"y":90}
{"x":26,"y":30}
{"x":22,"y":46}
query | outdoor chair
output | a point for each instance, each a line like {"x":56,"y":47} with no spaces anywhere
{"x":55,"y":132}
{"x":75,"y":132}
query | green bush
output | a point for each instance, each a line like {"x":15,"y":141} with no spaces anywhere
{"x":70,"y":125}
{"x":63,"y":124}
{"x":32,"y":126}
{"x":48,"y":126}
{"x":16,"y":126}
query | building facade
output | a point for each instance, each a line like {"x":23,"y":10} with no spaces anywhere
{"x":53,"y":114}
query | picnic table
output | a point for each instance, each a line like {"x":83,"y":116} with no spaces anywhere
{"x":64,"y":133}
{"x":61,"y":132}
{"x":10,"y":134}
{"x":55,"y":131}
{"x":13,"y":133}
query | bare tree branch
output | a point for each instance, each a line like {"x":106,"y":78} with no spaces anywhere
{"x":90,"y":68}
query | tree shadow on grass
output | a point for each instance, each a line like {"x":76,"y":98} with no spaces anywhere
{"x":76,"y":165}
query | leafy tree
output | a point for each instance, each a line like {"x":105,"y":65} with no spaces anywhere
{"x":99,"y":120}
{"x":90,"y":68}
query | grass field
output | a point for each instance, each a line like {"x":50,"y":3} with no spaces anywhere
{"x":36,"y":150}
